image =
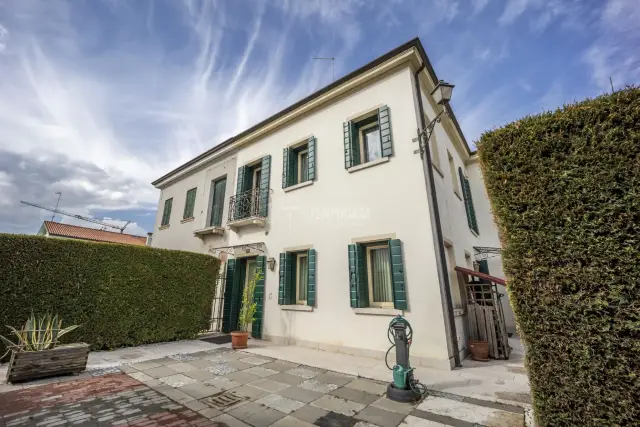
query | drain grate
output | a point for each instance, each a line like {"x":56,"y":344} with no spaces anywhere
{"x":223,"y":400}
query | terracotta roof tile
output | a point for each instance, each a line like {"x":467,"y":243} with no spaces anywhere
{"x":84,"y":233}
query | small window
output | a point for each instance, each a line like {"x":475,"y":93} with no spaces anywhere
{"x":189,"y":203}
{"x":368,"y":138}
{"x":166,"y":213}
{"x":218,"y":189}
{"x":468,"y":202}
{"x":299,"y":163}
{"x":302,"y":277}
{"x":379,"y":276}
{"x":454,"y":178}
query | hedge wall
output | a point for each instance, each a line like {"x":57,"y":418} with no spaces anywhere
{"x":122,"y":295}
{"x":565,"y":192}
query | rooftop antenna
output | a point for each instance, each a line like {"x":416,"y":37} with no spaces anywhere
{"x":84,"y":218}
{"x":57,"y":203}
{"x":333,"y":61}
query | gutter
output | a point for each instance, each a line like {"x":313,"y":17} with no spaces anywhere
{"x":441,"y":260}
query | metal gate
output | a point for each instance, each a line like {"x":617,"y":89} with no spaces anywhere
{"x":215,"y":324}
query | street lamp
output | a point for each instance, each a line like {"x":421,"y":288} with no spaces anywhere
{"x":441,"y":95}
{"x":442,"y":92}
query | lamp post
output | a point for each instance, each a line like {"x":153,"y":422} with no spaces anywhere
{"x":441,"y":95}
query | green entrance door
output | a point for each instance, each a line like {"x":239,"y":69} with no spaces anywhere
{"x":239,"y":272}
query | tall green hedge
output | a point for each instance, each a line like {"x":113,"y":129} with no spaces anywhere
{"x":122,"y":295}
{"x":565,"y":192}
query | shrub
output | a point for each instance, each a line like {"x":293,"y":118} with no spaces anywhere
{"x":121,"y":295}
{"x":565,"y":192}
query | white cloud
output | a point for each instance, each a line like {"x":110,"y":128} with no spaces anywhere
{"x":4,"y":37}
{"x":479,"y":5}
{"x":513,"y":10}
{"x":614,"y":53}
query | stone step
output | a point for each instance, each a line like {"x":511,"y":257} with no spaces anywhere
{"x":458,"y":411}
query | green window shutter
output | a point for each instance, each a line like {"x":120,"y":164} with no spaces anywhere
{"x":285,"y":167}
{"x":258,"y":298}
{"x":228,"y":290}
{"x":264,"y":185}
{"x":483,"y":266}
{"x":384,"y":123}
{"x":290,"y":280}
{"x":293,"y":168}
{"x":311,"y":288}
{"x":240,"y":183}
{"x":468,"y":202}
{"x":351,"y":147}
{"x":166,"y":213}
{"x":189,"y":203}
{"x":358,"y":287}
{"x":312,"y":158}
{"x":281,"y":285}
{"x":397,"y":275}
{"x":218,"y":189}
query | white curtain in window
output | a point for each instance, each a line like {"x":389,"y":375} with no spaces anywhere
{"x":303,"y":278}
{"x":372,"y":143}
{"x":381,"y":275}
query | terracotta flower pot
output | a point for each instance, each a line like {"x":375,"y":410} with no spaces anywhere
{"x":239,"y":339}
{"x":479,"y":350}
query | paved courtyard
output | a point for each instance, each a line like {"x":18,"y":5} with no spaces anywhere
{"x":234,"y":388}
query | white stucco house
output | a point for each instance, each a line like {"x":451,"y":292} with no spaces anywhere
{"x":351,"y":223}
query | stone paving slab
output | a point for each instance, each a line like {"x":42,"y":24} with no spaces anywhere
{"x":271,"y":391}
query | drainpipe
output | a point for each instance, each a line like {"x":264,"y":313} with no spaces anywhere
{"x":441,"y":260}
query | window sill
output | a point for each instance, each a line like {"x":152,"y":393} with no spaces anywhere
{"x":474,"y":233}
{"x":459,"y":196}
{"x":296,"y":186}
{"x":186,"y":220}
{"x":296,"y":307}
{"x":437,"y":169}
{"x":209,"y":230}
{"x":368,"y":165}
{"x":457,"y":312}
{"x":375,"y":311}
{"x":163,"y":227}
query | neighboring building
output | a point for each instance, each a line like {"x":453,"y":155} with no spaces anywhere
{"x":67,"y":231}
{"x":328,"y":197}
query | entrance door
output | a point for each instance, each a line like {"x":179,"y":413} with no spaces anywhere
{"x":239,"y":272}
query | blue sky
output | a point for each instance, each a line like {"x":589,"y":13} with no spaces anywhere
{"x":99,"y":98}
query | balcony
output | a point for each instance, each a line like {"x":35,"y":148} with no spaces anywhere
{"x":248,"y":208}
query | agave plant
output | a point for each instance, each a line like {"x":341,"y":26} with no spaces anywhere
{"x":37,"y":334}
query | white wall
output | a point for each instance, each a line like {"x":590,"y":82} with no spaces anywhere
{"x":179,"y":234}
{"x":340,"y":206}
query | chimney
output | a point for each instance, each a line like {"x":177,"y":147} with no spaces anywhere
{"x":149,"y":237}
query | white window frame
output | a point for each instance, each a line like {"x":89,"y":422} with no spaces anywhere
{"x":299,"y":256}
{"x":361,"y":142}
{"x":300,"y":153}
{"x":454,"y":175}
{"x":388,"y":304}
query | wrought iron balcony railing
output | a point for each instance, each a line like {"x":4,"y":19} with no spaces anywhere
{"x":248,"y":204}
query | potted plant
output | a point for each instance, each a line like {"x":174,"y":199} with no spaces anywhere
{"x":240,"y":337}
{"x":37,"y":354}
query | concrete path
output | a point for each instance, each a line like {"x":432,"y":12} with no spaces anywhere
{"x":242,"y":388}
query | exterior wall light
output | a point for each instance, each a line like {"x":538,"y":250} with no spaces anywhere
{"x":271,"y":263}
{"x":442,"y":92}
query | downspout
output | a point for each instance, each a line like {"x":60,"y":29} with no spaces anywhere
{"x":441,"y":260}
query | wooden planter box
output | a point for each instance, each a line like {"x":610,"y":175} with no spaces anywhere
{"x":65,"y":359}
